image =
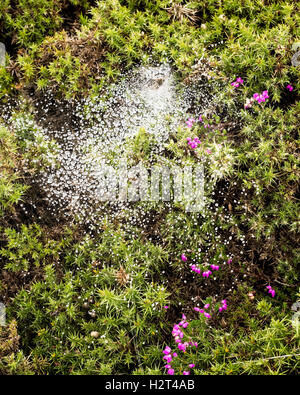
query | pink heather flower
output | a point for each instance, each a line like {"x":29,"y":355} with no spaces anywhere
{"x":196,"y":344}
{"x":196,"y":309}
{"x":261,"y":97}
{"x":235,"y":84}
{"x":168,"y":366}
{"x":168,"y":358}
{"x":220,"y":308}
{"x":166,"y":307}
{"x":185,"y":325}
{"x":200,"y":118}
{"x":183,"y":317}
{"x":191,"y":365}
{"x":186,"y":373}
{"x":175,"y":354}
{"x":271,"y":291}
{"x":207,"y":315}
{"x":206,"y":306}
{"x":188,"y":139}
{"x":239,"y":80}
{"x":229,"y":261}
{"x":171,"y":372}
{"x":289,"y":87}
{"x":184,"y":258}
{"x":265,"y":94}
{"x":167,"y":350}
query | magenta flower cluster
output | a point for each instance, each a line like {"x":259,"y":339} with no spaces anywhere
{"x":237,"y":82}
{"x":271,"y":290}
{"x":195,"y":268}
{"x":261,"y":97}
{"x":182,"y":346}
{"x":193,"y":143}
{"x":224,"y":305}
{"x":257,"y":97}
{"x":202,"y":311}
{"x":190,"y":122}
{"x":289,"y":87}
{"x":206,"y":273}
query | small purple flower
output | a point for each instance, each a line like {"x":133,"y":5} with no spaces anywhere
{"x":271,"y":291}
{"x":191,"y":365}
{"x":168,"y":358}
{"x":167,"y":350}
{"x":171,"y":372}
{"x":184,"y":258}
{"x":186,"y":373}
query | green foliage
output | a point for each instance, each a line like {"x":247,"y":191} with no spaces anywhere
{"x":95,"y":305}
{"x":10,"y":190}
{"x":103,"y":288}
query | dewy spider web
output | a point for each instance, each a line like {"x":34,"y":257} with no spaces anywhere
{"x":86,"y":131}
